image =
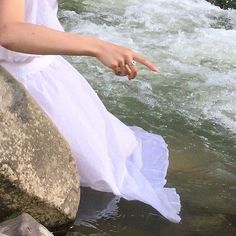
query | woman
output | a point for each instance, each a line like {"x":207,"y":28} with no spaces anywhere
{"x":110,"y":156}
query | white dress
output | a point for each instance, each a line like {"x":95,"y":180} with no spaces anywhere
{"x":110,"y":156}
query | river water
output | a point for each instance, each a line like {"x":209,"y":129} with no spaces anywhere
{"x":191,"y":103}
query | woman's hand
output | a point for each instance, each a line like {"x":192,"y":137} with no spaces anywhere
{"x":122,"y":60}
{"x":18,"y":36}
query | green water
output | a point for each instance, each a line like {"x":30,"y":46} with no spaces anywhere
{"x":191,"y":103}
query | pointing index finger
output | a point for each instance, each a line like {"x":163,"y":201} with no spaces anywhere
{"x":145,"y":62}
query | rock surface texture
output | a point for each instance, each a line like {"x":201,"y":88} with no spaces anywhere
{"x":37,"y":171}
{"x":23,"y":225}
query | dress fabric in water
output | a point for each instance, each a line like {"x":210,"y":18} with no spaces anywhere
{"x":110,"y":156}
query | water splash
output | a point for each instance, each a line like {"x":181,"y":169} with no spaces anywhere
{"x":192,"y":41}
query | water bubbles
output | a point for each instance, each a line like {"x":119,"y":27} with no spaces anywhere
{"x":192,"y":41}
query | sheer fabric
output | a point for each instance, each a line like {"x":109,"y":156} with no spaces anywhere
{"x":110,"y":156}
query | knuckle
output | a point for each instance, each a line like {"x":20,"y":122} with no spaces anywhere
{"x":145,"y":60}
{"x":113,"y":65}
{"x":121,"y":61}
{"x":128,"y":53}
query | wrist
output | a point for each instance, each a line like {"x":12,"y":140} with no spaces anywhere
{"x":94,"y":46}
{"x":97,"y":47}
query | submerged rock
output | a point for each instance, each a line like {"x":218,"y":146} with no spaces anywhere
{"x":23,"y":225}
{"x":37,"y":171}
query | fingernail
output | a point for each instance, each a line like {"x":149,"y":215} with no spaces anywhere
{"x":156,"y":69}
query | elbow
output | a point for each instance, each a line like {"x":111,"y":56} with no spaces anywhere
{"x":6,"y":36}
{"x":1,"y":36}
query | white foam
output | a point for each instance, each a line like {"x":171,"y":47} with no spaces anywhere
{"x":193,"y":41}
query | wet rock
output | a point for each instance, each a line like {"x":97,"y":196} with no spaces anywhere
{"x":23,"y":225}
{"x":37,"y":171}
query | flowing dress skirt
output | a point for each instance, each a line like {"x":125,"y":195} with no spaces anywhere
{"x":110,"y":156}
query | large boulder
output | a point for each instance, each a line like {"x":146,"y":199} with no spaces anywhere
{"x":38,"y":174}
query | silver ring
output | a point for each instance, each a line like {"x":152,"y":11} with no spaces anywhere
{"x":132,"y":63}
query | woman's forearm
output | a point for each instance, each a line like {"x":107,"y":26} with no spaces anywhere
{"x":36,"y":39}
{"x":28,"y":38}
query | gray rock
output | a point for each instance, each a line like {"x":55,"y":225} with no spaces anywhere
{"x":23,"y":225}
{"x":37,"y":171}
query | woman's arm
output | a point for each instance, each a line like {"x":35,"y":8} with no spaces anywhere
{"x":22,"y":37}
